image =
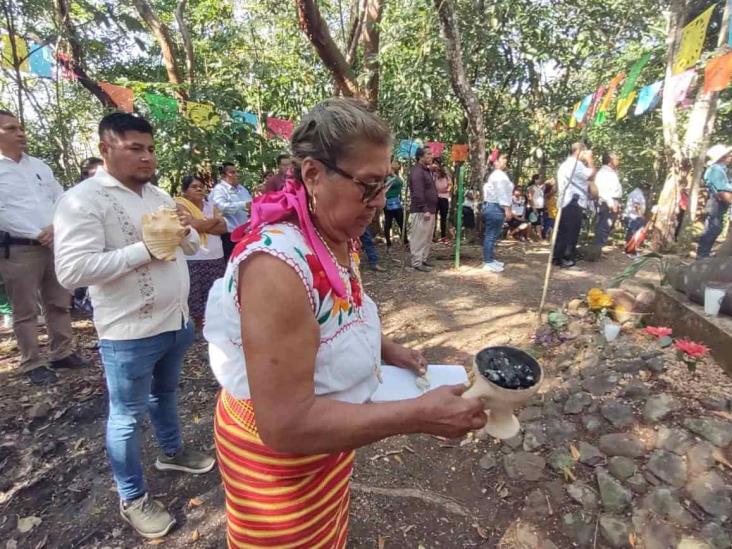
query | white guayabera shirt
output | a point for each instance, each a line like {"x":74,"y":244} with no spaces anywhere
{"x":98,"y":243}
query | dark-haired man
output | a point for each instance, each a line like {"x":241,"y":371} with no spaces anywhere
{"x":233,"y":201}
{"x":89,"y":167}
{"x":423,"y":209}
{"x":28,"y":192}
{"x":140,"y":309}
{"x":277,"y":181}
{"x":610,"y":193}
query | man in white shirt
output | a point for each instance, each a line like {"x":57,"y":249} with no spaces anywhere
{"x":233,"y":200}
{"x":497,"y":201}
{"x":573,"y":181}
{"x":535,"y":193}
{"x":610,"y":193}
{"x":28,"y":192}
{"x":140,"y":308}
{"x":634,"y":214}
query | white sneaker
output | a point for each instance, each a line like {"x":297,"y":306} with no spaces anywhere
{"x":500,"y":263}
{"x":493,"y":267}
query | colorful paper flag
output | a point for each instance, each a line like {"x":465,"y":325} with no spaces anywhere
{"x":680,"y":84}
{"x":729,"y":38}
{"x":21,"y":53}
{"x":648,"y":98}
{"x":436,"y":147}
{"x":572,"y":119}
{"x":40,"y":60}
{"x":407,"y":148}
{"x":718,"y":73}
{"x":581,"y":111}
{"x":692,"y":42}
{"x":280,"y":127}
{"x":459,"y":153}
{"x":161,"y":107}
{"x":68,"y":72}
{"x":633,"y":75}
{"x":202,"y":115}
{"x":596,"y":100}
{"x":607,"y":100}
{"x":495,"y":153}
{"x":245,"y":117}
{"x":624,"y":104}
{"x":122,"y":97}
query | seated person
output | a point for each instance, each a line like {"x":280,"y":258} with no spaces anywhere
{"x":518,"y":225}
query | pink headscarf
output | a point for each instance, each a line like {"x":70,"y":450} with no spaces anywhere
{"x":291,"y":201}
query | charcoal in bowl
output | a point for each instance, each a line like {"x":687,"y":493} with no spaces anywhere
{"x":508,"y":367}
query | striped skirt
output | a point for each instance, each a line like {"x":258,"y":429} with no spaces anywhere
{"x":273,"y":499}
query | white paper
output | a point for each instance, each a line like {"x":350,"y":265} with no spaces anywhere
{"x":400,"y":384}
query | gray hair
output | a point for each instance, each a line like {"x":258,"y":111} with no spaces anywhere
{"x":334,"y":128}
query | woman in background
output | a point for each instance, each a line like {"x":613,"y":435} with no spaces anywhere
{"x":442,"y":182}
{"x":394,"y":210}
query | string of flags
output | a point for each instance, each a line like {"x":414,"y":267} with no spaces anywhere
{"x":717,"y":76}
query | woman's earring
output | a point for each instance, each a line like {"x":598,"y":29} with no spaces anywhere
{"x":313,"y":203}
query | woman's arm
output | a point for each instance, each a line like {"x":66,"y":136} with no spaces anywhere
{"x":282,"y":338}
{"x":399,"y":355}
{"x":202,"y":225}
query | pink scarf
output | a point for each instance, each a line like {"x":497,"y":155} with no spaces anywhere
{"x":291,"y":201}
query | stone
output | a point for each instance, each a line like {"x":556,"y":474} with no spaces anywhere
{"x":578,"y":528}
{"x":620,"y":415}
{"x":582,"y":494}
{"x":628,"y":351}
{"x":664,"y":504}
{"x":552,"y":409}
{"x":648,"y":355}
{"x":560,"y":395}
{"x":601,"y":384}
{"x":700,"y":458}
{"x":656,"y":364}
{"x":614,"y":530}
{"x":536,"y":504}
{"x":715,"y":403}
{"x":555,"y":490}
{"x":635,"y":389}
{"x":622,"y":444}
{"x":513,"y":442}
{"x":592,"y":423}
{"x":577,"y":402}
{"x":659,"y":406}
{"x":637,"y":483}
{"x":524,"y":466}
{"x":530,"y":413}
{"x":692,"y":543}
{"x":659,"y":535}
{"x":669,"y":467}
{"x":593,"y":408}
{"x":590,"y":455}
{"x":534,"y":437}
{"x":716,"y":431}
{"x":574,"y":304}
{"x":718,"y":537}
{"x":39,"y":410}
{"x":629,"y":366}
{"x":621,"y":467}
{"x":615,"y":497}
{"x":487,"y":462}
{"x":711,"y":493}
{"x":558,"y":430}
{"x":674,"y":440}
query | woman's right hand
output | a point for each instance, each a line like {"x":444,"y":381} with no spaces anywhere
{"x":444,"y":412}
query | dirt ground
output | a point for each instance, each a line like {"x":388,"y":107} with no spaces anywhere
{"x":409,"y":491}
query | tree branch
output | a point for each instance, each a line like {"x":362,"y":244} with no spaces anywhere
{"x":355,"y":32}
{"x":187,"y":42}
{"x":370,"y":39}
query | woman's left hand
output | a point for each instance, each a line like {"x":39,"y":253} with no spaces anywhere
{"x":409,"y":359}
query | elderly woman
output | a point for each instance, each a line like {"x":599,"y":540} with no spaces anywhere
{"x":207,"y":264}
{"x":296,"y":343}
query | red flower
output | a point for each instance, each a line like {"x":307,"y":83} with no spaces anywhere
{"x":245,"y":239}
{"x":356,"y":292}
{"x":320,"y":279}
{"x":691,"y":348}
{"x":658,"y":331}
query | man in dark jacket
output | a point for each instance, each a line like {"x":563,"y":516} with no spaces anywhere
{"x":423,"y":209}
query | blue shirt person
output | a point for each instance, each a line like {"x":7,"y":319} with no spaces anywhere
{"x":720,"y":194}
{"x":233,"y":201}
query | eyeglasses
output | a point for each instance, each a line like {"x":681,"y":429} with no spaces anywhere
{"x":369,"y":190}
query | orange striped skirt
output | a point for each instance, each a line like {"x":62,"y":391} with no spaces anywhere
{"x":274,"y":499}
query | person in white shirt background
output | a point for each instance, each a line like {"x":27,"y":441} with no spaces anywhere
{"x":610,"y":193}
{"x":140,"y":308}
{"x":233,"y":200}
{"x":28,"y":191}
{"x":537,"y":205}
{"x":573,"y":186}
{"x":634,"y":214}
{"x":497,"y":200}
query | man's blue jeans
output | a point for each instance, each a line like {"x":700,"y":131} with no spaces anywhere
{"x":493,"y":217}
{"x":712,"y":226}
{"x":605,"y":223}
{"x":368,"y":245}
{"x":142,"y":376}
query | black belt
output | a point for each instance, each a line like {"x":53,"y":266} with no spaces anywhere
{"x":6,"y":241}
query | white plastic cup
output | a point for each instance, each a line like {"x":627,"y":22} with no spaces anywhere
{"x":713,"y":298}
{"x":611,"y":331}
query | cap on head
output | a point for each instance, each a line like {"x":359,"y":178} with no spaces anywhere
{"x":717,"y":152}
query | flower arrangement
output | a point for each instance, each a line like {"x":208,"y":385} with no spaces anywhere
{"x":691,"y":352}
{"x":658,"y":331}
{"x":598,"y":299}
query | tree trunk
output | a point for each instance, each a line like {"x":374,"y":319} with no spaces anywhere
{"x":187,"y":42}
{"x":664,"y":225}
{"x":464,"y":92}
{"x":359,"y":13}
{"x":162,"y":35}
{"x":316,"y":29}
{"x":76,"y":54}
{"x":699,"y":131}
{"x":370,"y":39}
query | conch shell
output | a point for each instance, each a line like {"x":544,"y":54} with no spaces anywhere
{"x":162,"y":233}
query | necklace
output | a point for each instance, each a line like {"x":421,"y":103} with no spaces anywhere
{"x":342,"y":268}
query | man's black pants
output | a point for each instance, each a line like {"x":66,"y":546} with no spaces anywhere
{"x":568,"y":232}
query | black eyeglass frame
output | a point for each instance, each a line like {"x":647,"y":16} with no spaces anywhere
{"x":368,"y":190}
